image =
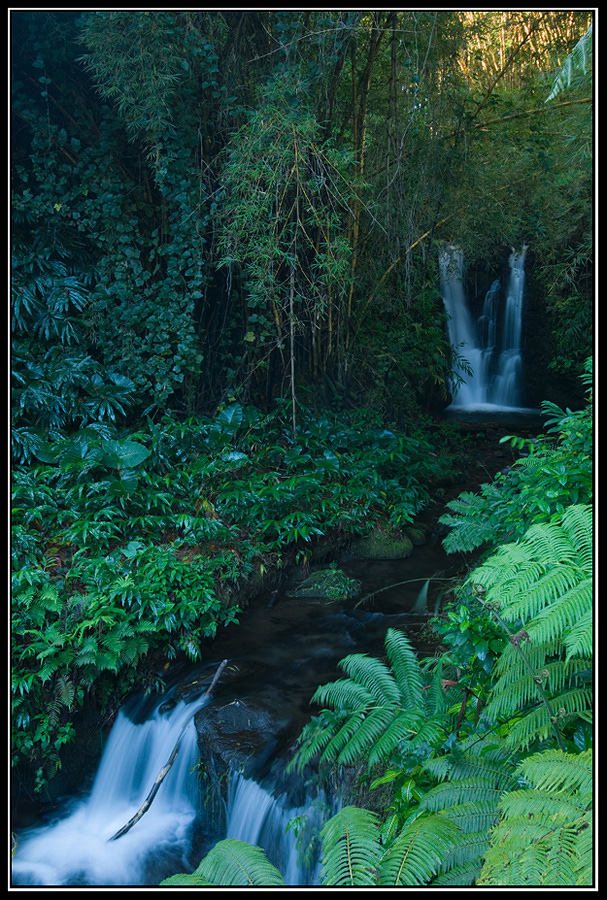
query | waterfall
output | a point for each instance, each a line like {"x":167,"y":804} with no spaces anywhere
{"x":491,"y":372}
{"x":75,"y":848}
{"x":255,"y":815}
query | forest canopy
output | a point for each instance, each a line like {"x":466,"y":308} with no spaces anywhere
{"x":216,"y":205}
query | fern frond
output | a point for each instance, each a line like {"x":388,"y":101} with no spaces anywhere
{"x":338,"y":740}
{"x":463,"y":863}
{"x":487,"y":759}
{"x":465,"y":790}
{"x":463,"y":875}
{"x":546,"y":805}
{"x":536,"y":724}
{"x":65,"y":691}
{"x":343,"y":694}
{"x":579,"y":642}
{"x":511,"y":695}
{"x":556,"y":620}
{"x":362,"y":736}
{"x":374,"y":675}
{"x":405,"y":666}
{"x":554,"y":770}
{"x":183,"y":880}
{"x":234,"y":862}
{"x":351,"y":848}
{"x":314,"y":737}
{"x":398,"y":729}
{"x":474,"y":816}
{"x":416,"y":855}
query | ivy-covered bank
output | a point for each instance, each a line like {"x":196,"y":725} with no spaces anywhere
{"x":130,"y":546}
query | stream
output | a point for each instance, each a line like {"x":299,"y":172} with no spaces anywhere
{"x":278,"y":654}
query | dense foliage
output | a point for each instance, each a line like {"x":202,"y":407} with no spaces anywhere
{"x":486,"y":748}
{"x":209,"y":204}
{"x":227,"y":338}
{"x":127,"y":545}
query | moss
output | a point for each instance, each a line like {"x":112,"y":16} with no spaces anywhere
{"x":326,"y":584}
{"x":382,"y":545}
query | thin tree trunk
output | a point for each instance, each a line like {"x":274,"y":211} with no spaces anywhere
{"x":292,"y":341}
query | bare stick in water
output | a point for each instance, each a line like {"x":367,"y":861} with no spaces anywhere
{"x":165,"y":769}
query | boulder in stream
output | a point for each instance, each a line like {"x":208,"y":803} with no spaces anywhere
{"x":380,"y":544}
{"x":329,"y":584}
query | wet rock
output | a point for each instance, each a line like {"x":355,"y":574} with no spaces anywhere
{"x":381,"y":544}
{"x":237,"y":736}
{"x":325,"y":584}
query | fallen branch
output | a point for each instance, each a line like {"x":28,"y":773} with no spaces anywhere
{"x":165,"y":769}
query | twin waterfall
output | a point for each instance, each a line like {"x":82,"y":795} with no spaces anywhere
{"x":488,"y":375}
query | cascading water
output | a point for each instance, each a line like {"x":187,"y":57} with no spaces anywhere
{"x":76,"y":847}
{"x":491,"y":379}
{"x":258,"y":817}
{"x":286,"y":650}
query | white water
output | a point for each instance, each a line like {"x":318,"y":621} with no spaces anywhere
{"x":75,"y":848}
{"x":494,"y":379}
{"x":256,"y":816}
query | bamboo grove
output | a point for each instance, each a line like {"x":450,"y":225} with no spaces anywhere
{"x":216,"y":204}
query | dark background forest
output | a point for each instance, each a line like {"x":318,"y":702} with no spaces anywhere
{"x":206,"y":204}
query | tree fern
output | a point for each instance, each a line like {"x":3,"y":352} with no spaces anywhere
{"x":541,"y":590}
{"x":374,"y":712}
{"x":545,"y":834}
{"x":473,"y":778}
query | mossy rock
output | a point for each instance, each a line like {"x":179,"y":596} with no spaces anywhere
{"x":416,"y":535}
{"x":326,"y":584}
{"x":382,"y":545}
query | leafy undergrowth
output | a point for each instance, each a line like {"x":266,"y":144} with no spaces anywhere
{"x":124,"y":544}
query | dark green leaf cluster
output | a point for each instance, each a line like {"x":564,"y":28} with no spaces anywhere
{"x":139,"y":540}
{"x":556,"y":471}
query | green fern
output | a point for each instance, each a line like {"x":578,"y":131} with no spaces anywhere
{"x":541,"y":587}
{"x":473,"y":778}
{"x":470,"y":527}
{"x":351,"y":848}
{"x":231,"y":862}
{"x":417,"y":854}
{"x":376,"y":710}
{"x":545,"y":835}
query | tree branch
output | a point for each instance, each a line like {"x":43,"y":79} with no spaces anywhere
{"x":166,"y":768}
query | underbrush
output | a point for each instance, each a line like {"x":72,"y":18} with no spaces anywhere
{"x":128,"y":543}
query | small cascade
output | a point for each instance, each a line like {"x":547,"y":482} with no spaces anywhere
{"x":256,"y":816}
{"x":75,"y":848}
{"x":491,"y":373}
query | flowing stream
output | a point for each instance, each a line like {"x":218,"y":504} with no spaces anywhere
{"x":279,"y":654}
